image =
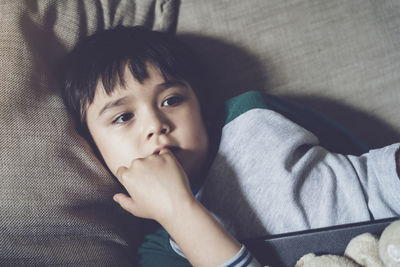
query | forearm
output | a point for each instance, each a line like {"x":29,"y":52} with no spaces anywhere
{"x":203,"y":241}
{"x":160,"y":191}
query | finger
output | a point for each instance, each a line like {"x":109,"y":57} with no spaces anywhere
{"x":125,"y":202}
{"x":119,"y":173}
{"x":164,"y":151}
{"x":167,"y":151}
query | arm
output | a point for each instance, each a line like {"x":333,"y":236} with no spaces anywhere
{"x":203,"y":241}
{"x":160,"y":191}
{"x":303,"y":185}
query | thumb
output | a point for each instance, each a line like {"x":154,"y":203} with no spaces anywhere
{"x":125,"y":202}
{"x":167,"y":151}
{"x":164,"y":151}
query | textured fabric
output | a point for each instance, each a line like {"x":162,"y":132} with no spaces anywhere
{"x":340,"y":57}
{"x":55,"y":200}
{"x":270,"y":176}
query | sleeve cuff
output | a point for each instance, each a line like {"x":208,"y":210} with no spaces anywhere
{"x":242,"y":259}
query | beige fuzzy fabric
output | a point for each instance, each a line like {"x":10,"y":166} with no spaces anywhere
{"x":363,"y":249}
{"x":311,"y":260}
{"x":389,"y":245}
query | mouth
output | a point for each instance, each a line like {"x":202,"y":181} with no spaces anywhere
{"x":173,"y":149}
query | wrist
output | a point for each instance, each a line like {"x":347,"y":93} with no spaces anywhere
{"x":179,"y":211}
{"x":200,"y":237}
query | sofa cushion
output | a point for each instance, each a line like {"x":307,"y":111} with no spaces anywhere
{"x":55,"y":198}
{"x":341,"y":58}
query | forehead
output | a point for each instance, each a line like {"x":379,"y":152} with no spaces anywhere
{"x":126,"y":83}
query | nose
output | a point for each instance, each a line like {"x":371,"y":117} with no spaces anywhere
{"x":157,"y":124}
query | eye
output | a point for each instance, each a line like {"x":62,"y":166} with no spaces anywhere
{"x":172,"y":101}
{"x":123,"y":118}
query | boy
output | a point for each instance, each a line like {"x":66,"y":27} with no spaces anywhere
{"x":138,"y":97}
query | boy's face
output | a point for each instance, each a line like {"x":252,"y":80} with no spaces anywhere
{"x":139,"y":119}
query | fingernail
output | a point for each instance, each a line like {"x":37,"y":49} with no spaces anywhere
{"x":116,"y":198}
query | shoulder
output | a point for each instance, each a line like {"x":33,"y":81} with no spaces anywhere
{"x":331,"y":134}
{"x":240,"y":104}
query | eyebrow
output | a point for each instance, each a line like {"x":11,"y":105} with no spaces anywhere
{"x":123,"y":100}
{"x":119,"y":102}
{"x":170,"y":83}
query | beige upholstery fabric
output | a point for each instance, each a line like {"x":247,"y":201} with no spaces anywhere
{"x":339,"y":57}
{"x":56,"y":203}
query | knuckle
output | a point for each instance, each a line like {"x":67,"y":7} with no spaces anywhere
{"x":124,"y":176}
{"x":152,"y":156}
{"x":166,"y":156}
{"x":136,"y":162}
{"x":120,"y":171}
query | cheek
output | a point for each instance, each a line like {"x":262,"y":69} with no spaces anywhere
{"x":197,"y":134}
{"x":113,"y":152}
{"x":197,"y":144}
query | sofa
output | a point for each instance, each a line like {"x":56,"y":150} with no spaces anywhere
{"x":338,"y":58}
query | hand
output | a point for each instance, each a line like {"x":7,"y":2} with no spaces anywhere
{"x":159,"y":190}
{"x":157,"y":186}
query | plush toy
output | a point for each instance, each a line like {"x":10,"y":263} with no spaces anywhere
{"x":311,"y":260}
{"x":363,"y":250}
{"x":389,"y":245}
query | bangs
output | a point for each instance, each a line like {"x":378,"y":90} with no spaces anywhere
{"x":113,"y":75}
{"x":105,"y":56}
{"x":108,"y":62}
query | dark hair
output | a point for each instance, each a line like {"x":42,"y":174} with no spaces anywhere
{"x":104,"y":56}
